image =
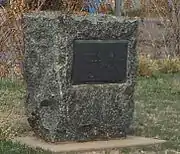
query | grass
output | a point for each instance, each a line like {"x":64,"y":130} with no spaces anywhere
{"x":7,"y":147}
{"x":158,"y":109}
{"x":157,"y":113}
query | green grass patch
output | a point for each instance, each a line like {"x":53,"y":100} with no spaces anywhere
{"x":8,"y":147}
{"x":7,"y":84}
{"x":11,"y":94}
{"x":158,"y":108}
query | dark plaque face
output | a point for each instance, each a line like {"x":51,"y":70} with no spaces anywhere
{"x":99,"y":61}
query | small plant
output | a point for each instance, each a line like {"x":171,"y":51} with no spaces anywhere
{"x":145,"y":68}
{"x":169,"y":65}
{"x":149,"y":67}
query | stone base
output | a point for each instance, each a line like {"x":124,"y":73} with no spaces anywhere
{"x":130,"y":141}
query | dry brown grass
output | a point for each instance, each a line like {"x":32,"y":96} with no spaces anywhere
{"x":149,"y":67}
{"x":11,"y":39}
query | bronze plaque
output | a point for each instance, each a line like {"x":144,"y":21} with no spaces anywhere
{"x":99,"y":61}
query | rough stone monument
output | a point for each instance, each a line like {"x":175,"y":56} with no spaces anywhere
{"x":80,"y":73}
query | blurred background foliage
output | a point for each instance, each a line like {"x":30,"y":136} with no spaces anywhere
{"x":162,"y":14}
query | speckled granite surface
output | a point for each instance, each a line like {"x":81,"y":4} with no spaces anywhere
{"x":58,"y":110}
